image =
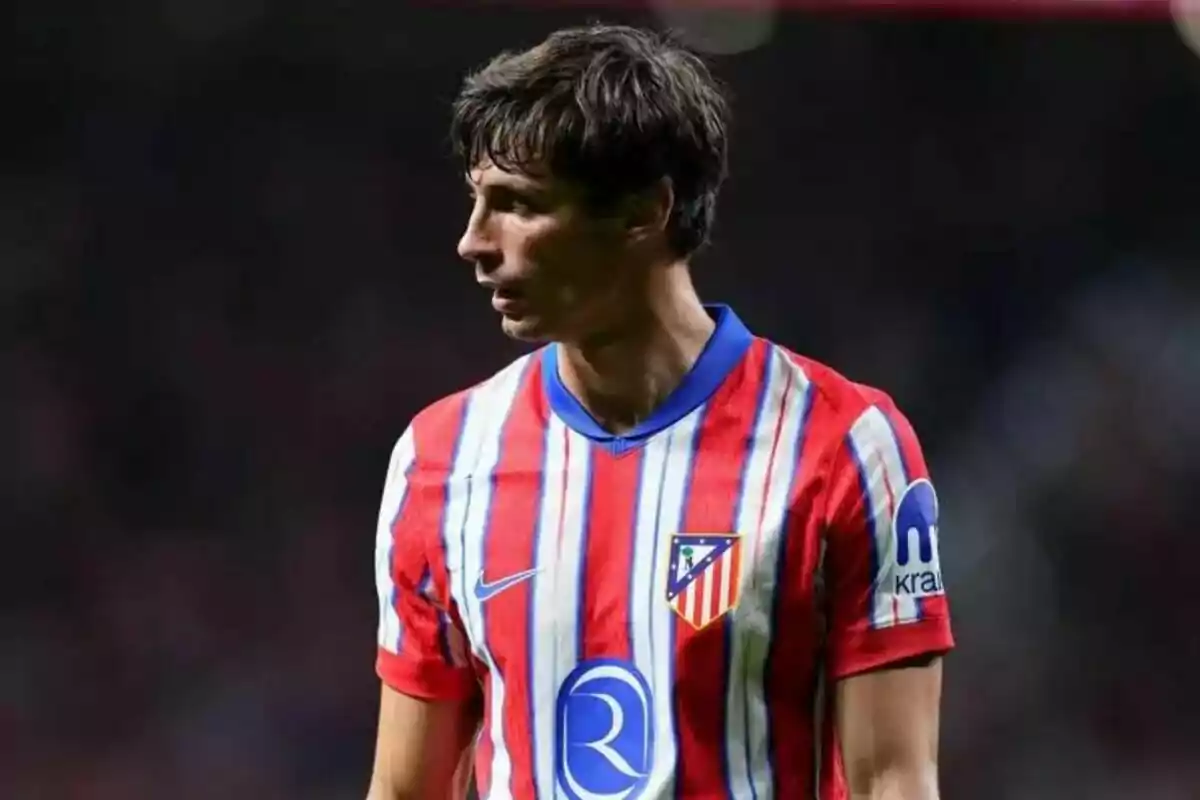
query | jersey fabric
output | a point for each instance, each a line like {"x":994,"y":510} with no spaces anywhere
{"x":655,"y":615}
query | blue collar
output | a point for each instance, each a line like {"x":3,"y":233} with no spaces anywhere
{"x":723,"y":351}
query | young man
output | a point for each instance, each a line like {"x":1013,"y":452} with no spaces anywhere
{"x":630,"y":563}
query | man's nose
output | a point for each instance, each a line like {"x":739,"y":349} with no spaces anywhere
{"x":476,"y":242}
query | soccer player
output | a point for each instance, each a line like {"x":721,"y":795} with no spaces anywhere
{"x":659,"y":556}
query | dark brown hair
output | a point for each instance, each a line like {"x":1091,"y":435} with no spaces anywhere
{"x":610,"y":108}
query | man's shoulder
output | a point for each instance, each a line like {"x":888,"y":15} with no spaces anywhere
{"x":843,"y":398}
{"x":437,"y":426}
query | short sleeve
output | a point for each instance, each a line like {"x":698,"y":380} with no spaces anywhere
{"x":886,"y":600}
{"x":421,"y":645}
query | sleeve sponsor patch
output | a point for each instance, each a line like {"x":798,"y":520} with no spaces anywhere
{"x":915,"y":568}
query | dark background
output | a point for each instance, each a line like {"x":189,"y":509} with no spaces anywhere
{"x":227,"y":270}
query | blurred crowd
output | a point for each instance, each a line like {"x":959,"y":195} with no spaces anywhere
{"x":226,"y":253}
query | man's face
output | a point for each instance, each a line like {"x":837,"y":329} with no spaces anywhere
{"x":555,"y":270}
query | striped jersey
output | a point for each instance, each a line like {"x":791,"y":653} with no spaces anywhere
{"x":654,"y":615}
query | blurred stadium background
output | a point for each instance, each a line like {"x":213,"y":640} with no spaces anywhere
{"x":226,"y":260}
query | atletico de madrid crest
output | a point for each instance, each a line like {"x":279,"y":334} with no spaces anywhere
{"x":705,"y":575}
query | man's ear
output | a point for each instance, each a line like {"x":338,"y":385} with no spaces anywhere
{"x":647,"y":212}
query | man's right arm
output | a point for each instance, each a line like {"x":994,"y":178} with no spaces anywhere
{"x":429,"y":703}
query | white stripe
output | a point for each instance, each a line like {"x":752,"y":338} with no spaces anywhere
{"x":467,"y":515}
{"x":665,"y":474}
{"x":395,"y":487}
{"x":647,"y":559}
{"x":818,"y":711}
{"x":543,"y":685}
{"x":750,"y":508}
{"x":706,"y":600}
{"x":882,"y":472}
{"x":765,"y":502}
{"x":778,"y":501}
{"x":567,"y":577}
{"x":689,"y":601}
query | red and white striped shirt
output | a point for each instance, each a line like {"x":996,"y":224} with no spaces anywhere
{"x":654,"y":615}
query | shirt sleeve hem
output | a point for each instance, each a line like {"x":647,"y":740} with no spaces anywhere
{"x":424,"y":681}
{"x":862,"y":651}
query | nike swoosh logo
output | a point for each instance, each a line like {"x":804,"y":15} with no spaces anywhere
{"x":486,"y":591}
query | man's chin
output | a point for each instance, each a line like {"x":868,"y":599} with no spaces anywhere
{"x":526,"y":328}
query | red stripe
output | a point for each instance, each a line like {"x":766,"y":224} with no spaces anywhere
{"x":435,"y":433}
{"x":510,"y":549}
{"x":797,"y":620}
{"x":701,"y":655}
{"x":609,"y":555}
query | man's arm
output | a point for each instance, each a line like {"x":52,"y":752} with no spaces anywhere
{"x":422,"y":748}
{"x":887,"y":723}
{"x":429,"y":705}
{"x":889,"y":622}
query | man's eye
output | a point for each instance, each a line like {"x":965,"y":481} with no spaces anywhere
{"x":513,"y":202}
{"x":506,"y":202}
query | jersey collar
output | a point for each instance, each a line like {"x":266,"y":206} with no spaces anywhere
{"x":723,"y":351}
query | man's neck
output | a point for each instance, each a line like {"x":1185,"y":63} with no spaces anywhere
{"x":623,"y":376}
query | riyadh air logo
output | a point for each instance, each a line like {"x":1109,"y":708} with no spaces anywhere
{"x":604,"y":731}
{"x":917,"y":571}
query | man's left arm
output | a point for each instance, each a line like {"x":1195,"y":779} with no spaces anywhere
{"x":887,"y":724}
{"x":888,"y":620}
